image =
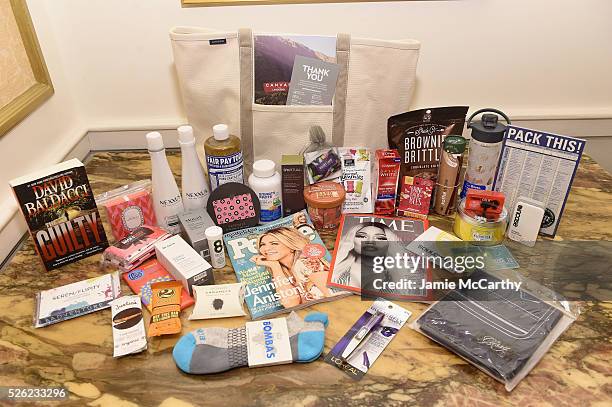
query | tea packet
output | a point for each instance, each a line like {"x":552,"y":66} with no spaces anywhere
{"x":356,"y":179}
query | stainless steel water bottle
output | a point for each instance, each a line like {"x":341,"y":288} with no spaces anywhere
{"x":485,"y":146}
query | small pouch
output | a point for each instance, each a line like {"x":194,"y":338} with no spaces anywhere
{"x":218,"y":301}
{"x":128,"y":207}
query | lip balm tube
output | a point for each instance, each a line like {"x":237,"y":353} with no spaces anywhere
{"x":214,"y":235}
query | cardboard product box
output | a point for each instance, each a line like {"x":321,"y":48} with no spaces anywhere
{"x":292,"y":168}
{"x":193,"y":225}
{"x":184,"y":263}
{"x":386,"y":176}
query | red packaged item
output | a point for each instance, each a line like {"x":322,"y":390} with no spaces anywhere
{"x":128,"y":207}
{"x":386,"y":176}
{"x":415,"y":196}
{"x":488,"y":204}
{"x":141,"y":278}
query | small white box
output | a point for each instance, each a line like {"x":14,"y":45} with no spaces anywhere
{"x":526,"y":221}
{"x":268,"y":342}
{"x":184,"y":263}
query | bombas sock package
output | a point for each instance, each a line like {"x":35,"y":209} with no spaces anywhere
{"x":268,"y":342}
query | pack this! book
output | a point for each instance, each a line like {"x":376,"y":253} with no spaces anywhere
{"x":59,"y":208}
{"x":283,"y":264}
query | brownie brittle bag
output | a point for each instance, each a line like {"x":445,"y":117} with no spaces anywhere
{"x":418,"y":135}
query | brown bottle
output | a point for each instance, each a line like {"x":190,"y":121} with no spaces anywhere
{"x":223,"y":157}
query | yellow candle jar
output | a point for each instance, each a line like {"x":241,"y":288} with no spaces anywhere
{"x":479,"y":230}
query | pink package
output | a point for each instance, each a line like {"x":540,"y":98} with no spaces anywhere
{"x":128,"y":208}
{"x":137,"y":247}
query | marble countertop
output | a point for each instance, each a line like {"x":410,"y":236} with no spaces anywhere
{"x":413,"y":370}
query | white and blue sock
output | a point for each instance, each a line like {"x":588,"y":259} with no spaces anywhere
{"x":214,"y":350}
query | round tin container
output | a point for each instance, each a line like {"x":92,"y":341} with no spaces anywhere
{"x":324,"y":200}
{"x":479,"y":230}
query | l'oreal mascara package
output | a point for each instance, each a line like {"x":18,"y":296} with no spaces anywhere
{"x":359,"y":348}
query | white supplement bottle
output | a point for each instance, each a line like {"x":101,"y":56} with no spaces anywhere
{"x":167,"y":202}
{"x":265,"y":181}
{"x":194,"y":185}
{"x":214,"y":235}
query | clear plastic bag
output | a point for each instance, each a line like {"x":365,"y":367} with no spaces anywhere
{"x":321,"y":159}
{"x":128,"y":207}
{"x":503,"y":332}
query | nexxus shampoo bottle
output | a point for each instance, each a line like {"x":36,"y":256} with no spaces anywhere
{"x":167,"y":201}
{"x":194,"y":185}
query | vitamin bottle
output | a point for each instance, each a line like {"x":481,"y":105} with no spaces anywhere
{"x":265,"y":181}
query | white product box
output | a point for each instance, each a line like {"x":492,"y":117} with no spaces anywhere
{"x":268,"y":342}
{"x":184,"y":263}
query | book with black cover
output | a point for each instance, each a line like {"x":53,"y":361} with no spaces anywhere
{"x":60,"y":210}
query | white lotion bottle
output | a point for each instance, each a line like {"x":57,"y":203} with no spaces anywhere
{"x":167,"y":201}
{"x":194,"y":185}
{"x":265,"y":181}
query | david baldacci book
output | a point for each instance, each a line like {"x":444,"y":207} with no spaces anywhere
{"x":59,"y":208}
{"x":283,"y":264}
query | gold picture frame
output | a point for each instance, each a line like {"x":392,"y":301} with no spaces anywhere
{"x":38,"y":83}
{"x":212,"y":3}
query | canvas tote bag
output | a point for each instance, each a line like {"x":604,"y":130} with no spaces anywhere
{"x":215,"y":75}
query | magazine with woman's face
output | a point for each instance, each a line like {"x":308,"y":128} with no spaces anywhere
{"x":284,"y":265}
{"x":362,"y":245}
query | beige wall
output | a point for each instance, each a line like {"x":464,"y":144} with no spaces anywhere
{"x":48,"y":133}
{"x":111,"y":62}
{"x":530,"y":58}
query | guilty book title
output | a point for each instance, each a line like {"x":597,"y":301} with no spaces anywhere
{"x":62,"y":216}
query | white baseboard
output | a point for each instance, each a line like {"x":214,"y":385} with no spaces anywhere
{"x":132,"y":137}
{"x":11,"y":235}
{"x":104,"y":140}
